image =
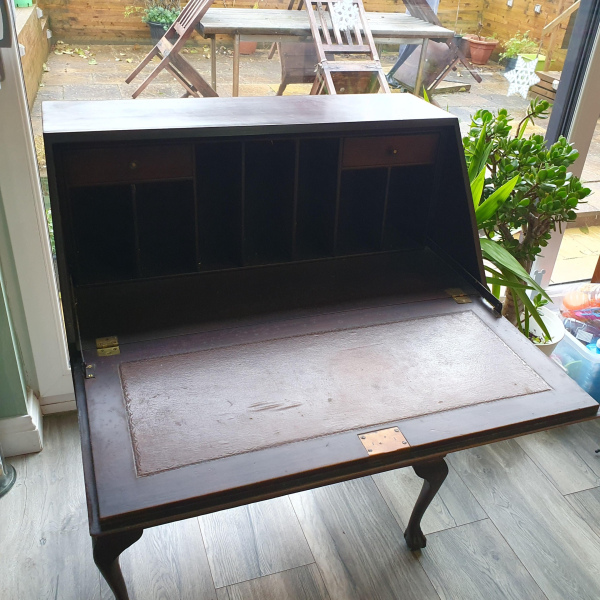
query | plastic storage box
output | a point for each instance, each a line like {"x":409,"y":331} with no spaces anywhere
{"x":582,"y":365}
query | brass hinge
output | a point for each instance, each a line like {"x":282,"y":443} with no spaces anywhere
{"x":458,"y":295}
{"x":108,"y":346}
{"x":384,"y":440}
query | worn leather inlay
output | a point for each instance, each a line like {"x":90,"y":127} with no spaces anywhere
{"x":209,"y":404}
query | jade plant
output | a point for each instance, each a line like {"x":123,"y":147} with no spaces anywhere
{"x":543,"y":198}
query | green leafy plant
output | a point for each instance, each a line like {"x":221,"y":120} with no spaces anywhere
{"x":156,"y":11}
{"x":50,"y":230}
{"x":519,"y":44}
{"x":538,"y":302}
{"x":543,"y":197}
{"x":502,"y":269}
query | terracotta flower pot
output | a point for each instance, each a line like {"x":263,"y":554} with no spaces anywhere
{"x":247,"y":47}
{"x":466,"y":44}
{"x":481,"y":50}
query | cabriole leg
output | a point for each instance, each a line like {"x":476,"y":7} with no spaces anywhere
{"x":434,"y":473}
{"x":107,"y":549}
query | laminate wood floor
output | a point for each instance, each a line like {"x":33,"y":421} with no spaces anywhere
{"x":515,"y":520}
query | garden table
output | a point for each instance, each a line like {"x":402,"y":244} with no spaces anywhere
{"x":266,"y":25}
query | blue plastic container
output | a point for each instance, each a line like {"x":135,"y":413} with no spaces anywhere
{"x":581,"y":364}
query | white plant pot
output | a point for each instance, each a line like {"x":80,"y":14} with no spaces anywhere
{"x":555,"y":329}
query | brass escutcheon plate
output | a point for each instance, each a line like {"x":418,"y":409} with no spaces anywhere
{"x":384,"y":440}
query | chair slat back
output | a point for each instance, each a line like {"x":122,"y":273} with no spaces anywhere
{"x":330,"y":34}
{"x":421,"y":10}
{"x":188,"y":18}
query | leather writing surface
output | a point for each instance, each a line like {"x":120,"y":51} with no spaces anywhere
{"x":205,"y":405}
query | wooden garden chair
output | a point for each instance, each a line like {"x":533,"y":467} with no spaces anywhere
{"x":168,"y":49}
{"x":298,"y":59}
{"x":421,"y":10}
{"x":441,"y":59}
{"x":332,"y":34}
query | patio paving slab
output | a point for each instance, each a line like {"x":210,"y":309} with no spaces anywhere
{"x":92,"y":92}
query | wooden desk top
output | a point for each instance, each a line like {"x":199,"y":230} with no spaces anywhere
{"x":247,"y":21}
{"x":203,"y":117}
{"x":544,"y":397}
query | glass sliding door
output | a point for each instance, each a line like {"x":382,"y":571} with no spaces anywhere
{"x":25,"y":243}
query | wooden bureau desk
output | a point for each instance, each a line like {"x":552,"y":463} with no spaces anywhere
{"x":266,"y":295}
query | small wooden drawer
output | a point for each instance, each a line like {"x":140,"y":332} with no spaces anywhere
{"x":389,"y":151}
{"x":129,"y":164}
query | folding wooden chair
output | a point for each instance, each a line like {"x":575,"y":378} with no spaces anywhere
{"x":341,"y":28}
{"x":168,"y":49}
{"x":298,"y":59}
{"x":421,"y":10}
{"x":441,"y":59}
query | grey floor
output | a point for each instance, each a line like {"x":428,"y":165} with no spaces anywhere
{"x":519,"y":520}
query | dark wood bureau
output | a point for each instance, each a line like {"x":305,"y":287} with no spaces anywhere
{"x":264,"y":295}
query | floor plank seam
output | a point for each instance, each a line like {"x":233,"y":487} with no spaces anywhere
{"x":458,"y":526}
{"x":543,"y":471}
{"x":309,"y":547}
{"x":570,"y":507}
{"x":517,"y":557}
{"x":304,"y":535}
{"x":212,"y":576}
{"x":417,"y":554}
{"x":268,"y":575}
{"x":594,"y":487}
{"x":457,"y":472}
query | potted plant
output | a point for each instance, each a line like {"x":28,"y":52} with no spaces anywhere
{"x":520,"y":45}
{"x":555,"y":332}
{"x":158,"y":14}
{"x":481,"y":48}
{"x":543,"y":196}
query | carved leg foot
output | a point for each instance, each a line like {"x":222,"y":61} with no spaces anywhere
{"x":434,"y":473}
{"x":107,"y":549}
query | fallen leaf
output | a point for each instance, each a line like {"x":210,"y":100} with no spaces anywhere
{"x":118,"y":59}
{"x":45,"y":68}
{"x":121,"y":53}
{"x":92,"y":61}
{"x":129,"y":60}
{"x":42,"y":85}
{"x":58,"y":52}
{"x":136,"y":47}
{"x":60,"y":42}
